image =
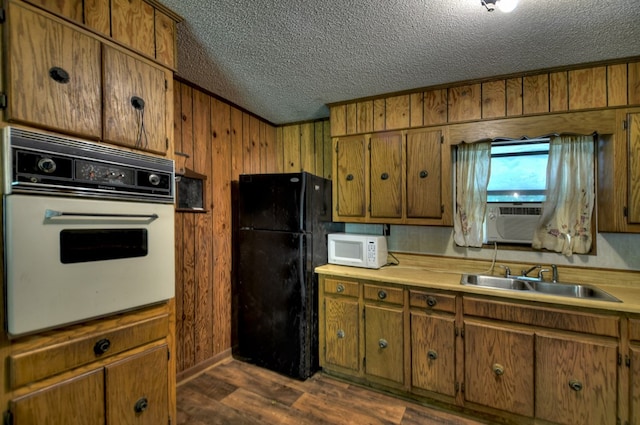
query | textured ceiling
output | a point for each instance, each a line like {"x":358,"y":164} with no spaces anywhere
{"x":285,"y":60}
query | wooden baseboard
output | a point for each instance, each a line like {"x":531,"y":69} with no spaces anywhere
{"x":196,"y":370}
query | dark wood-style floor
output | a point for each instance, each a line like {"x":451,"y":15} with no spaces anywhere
{"x":238,"y":393}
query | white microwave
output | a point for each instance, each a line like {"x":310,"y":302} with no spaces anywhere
{"x":349,"y":249}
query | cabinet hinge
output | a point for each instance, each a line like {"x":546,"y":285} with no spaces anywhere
{"x":457,"y":387}
{"x":462,"y":387}
{"x":462,"y":335}
{"x":166,"y":85}
{"x":2,"y":16}
{"x":168,"y":354}
{"x":369,"y":145}
{"x":364,"y":362}
{"x":364,"y":313}
{"x":455,"y":331}
{"x":625,"y":125}
{"x":619,"y":359}
{"x":441,"y":209}
{"x":8,"y":418}
{"x":625,"y":211}
{"x":627,"y":361}
{"x":337,"y":144}
{"x":3,"y":101}
{"x":166,"y":144}
{"x":369,"y":208}
{"x":441,"y":139}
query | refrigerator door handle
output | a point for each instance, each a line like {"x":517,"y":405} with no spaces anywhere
{"x":302,"y":266}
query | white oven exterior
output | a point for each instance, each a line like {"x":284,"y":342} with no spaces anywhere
{"x":42,"y":292}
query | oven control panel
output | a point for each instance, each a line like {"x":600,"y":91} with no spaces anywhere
{"x":49,"y":164}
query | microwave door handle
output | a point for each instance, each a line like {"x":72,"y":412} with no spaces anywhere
{"x":51,"y":214}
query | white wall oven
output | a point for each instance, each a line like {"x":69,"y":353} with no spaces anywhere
{"x":88,"y":230}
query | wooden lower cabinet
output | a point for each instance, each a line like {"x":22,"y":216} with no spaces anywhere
{"x":384,"y":342}
{"x":499,"y":366}
{"x":634,"y":385}
{"x":76,"y":401}
{"x":130,"y":391}
{"x":576,"y":380}
{"x":342,"y":333}
{"x":433,"y":356}
{"x":521,"y":362}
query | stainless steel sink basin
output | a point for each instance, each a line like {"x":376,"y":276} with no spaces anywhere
{"x":514,"y":283}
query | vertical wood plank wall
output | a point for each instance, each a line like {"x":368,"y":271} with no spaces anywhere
{"x":220,"y":141}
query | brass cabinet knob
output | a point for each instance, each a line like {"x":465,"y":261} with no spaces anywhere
{"x":498,"y":369}
{"x":575,"y":385}
{"x":432,"y":355}
{"x":382,"y":295}
{"x":340,"y":334}
{"x":340,"y":288}
{"x":382,"y":343}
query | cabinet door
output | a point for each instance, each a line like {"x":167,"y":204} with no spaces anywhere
{"x":350,"y":177}
{"x":576,"y":380}
{"x":54,"y":75}
{"x":423,"y":175}
{"x":384,"y":349}
{"x":498,"y":367}
{"x":386,"y":175}
{"x":132,"y":23}
{"x":433,"y":353}
{"x":135,"y":102}
{"x":77,"y":401}
{"x":137,"y":389}
{"x":634,"y":386}
{"x":633,"y":123}
{"x":341,"y":333}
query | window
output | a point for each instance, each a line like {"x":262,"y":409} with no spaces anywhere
{"x":518,"y":171}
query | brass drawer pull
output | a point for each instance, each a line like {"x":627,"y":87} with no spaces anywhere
{"x":575,"y":385}
{"x":432,"y":355}
{"x":382,"y":295}
{"x":498,"y":369}
{"x":340,"y":334}
{"x":382,"y":343}
{"x":431,"y":301}
{"x":340,"y":288}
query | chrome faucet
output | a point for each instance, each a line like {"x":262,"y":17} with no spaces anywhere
{"x":507,"y":270}
{"x":524,"y":273}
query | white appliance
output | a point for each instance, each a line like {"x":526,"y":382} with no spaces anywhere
{"x":349,"y":249}
{"x":88,"y":230}
{"x":511,"y":223}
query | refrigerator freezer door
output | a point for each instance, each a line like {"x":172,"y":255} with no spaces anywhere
{"x":274,"y":295}
{"x":273,"y":202}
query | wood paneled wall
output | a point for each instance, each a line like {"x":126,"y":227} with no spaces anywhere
{"x":596,"y":87}
{"x":220,"y":141}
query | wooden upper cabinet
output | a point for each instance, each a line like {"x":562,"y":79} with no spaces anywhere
{"x":386,"y":175}
{"x":576,"y":380}
{"x":424,"y":199}
{"x":71,"y":9}
{"x":633,"y":129}
{"x":349,"y":182}
{"x":165,"y":28}
{"x":135,"y":107}
{"x":53,"y":74}
{"x":132,"y":23}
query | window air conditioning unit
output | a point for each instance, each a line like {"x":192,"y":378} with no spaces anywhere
{"x":511,"y":222}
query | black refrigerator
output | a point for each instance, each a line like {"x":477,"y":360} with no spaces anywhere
{"x":281,"y":236}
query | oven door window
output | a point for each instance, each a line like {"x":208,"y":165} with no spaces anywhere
{"x":85,"y":245}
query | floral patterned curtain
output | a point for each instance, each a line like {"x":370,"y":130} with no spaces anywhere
{"x":472,"y":177}
{"x":565,"y":223}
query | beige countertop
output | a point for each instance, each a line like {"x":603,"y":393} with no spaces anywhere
{"x":445,"y":274}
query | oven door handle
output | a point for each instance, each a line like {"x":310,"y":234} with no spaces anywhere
{"x":51,"y":214}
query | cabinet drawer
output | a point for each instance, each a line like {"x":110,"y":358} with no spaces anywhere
{"x":341,"y":287}
{"x":432,"y":301}
{"x":41,"y":363}
{"x":383,"y":294}
{"x":634,"y":329}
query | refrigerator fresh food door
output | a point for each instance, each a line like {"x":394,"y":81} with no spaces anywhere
{"x":275,"y":302}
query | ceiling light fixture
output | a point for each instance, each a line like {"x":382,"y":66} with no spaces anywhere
{"x":505,"y":6}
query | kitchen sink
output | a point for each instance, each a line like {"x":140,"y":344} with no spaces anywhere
{"x":515,"y":283}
